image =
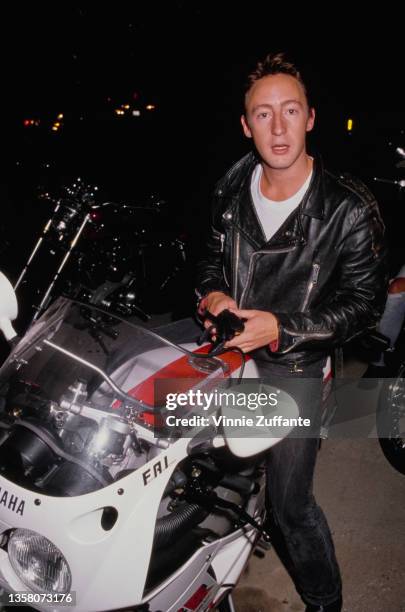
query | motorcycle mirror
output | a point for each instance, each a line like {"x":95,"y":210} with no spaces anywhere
{"x":8,"y":308}
{"x":250,"y":432}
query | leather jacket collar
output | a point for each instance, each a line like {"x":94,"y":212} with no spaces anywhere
{"x":239,"y":209}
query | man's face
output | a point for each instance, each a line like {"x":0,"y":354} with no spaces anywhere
{"x":277,"y":118}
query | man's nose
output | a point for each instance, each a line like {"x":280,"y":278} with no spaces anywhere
{"x":278,"y":124}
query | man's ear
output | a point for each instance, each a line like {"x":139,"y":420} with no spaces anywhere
{"x":311,"y":119}
{"x":246,"y":128}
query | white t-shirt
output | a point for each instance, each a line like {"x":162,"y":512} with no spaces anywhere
{"x":271,"y":213}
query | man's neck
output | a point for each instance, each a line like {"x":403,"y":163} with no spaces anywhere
{"x":281,"y":184}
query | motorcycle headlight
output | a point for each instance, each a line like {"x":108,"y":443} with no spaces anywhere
{"x":38,"y":562}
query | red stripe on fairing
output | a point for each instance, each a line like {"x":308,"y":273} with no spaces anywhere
{"x":197,"y":598}
{"x":327,"y":377}
{"x":182,"y":376}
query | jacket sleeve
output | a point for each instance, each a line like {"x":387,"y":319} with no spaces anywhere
{"x":209,"y":269}
{"x":358,"y":300}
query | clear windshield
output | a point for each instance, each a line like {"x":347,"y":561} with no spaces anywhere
{"x":78,"y":399}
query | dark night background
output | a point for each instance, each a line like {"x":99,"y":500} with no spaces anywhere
{"x":188,"y":59}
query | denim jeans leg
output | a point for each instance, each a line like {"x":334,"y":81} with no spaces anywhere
{"x":290,"y":469}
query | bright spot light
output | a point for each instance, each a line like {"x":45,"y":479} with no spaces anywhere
{"x":349,"y":125}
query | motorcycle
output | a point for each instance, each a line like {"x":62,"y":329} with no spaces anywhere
{"x":391,"y":407}
{"x":117,"y":256}
{"x":105,"y":503}
{"x":391,"y":401}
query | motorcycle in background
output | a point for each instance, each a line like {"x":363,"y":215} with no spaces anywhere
{"x":401,"y":164}
{"x":391,"y":407}
{"x":391,"y":401}
{"x":120,"y":257}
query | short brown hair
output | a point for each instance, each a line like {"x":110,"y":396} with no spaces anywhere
{"x":275,"y":63}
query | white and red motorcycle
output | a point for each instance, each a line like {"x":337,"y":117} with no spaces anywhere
{"x":109,"y":499}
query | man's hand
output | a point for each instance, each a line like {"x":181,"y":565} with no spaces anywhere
{"x":215,"y":302}
{"x":261,"y":328}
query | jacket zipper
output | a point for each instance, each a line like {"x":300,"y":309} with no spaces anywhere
{"x":222,"y":238}
{"x":236,"y":266}
{"x":303,"y":335}
{"x":311,"y":284}
{"x":251,"y":262}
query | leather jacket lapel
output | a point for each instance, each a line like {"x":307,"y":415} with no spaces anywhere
{"x":240,"y":211}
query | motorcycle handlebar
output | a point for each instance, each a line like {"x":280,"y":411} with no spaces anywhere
{"x":400,"y":183}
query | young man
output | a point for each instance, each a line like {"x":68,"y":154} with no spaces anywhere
{"x":297,"y":252}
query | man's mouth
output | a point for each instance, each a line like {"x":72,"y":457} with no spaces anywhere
{"x":280,"y":149}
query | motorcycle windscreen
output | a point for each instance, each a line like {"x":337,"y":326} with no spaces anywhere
{"x":77,"y":399}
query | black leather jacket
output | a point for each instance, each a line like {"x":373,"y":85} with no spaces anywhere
{"x":323,"y":274}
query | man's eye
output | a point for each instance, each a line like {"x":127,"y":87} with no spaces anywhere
{"x":292,"y":111}
{"x":263,"y":115}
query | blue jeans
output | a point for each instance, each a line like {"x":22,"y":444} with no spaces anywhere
{"x":300,"y":532}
